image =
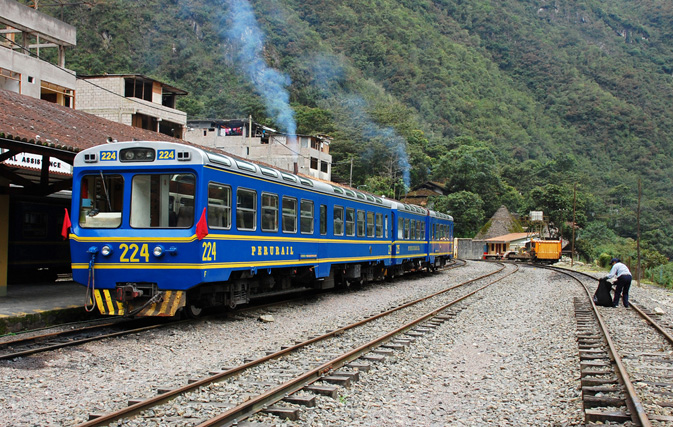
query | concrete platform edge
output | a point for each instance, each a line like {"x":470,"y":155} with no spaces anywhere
{"x":13,"y":324}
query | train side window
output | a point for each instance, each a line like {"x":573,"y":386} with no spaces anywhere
{"x":361,"y":223}
{"x":386,"y":227}
{"x":306,"y":217}
{"x":219,"y":205}
{"x":400,"y":228}
{"x":102,"y":201}
{"x":269,"y":212}
{"x":406,"y":229}
{"x":412,"y":229}
{"x":379,"y":225}
{"x":338,"y":221}
{"x":289,"y":215}
{"x":323,"y":219}
{"x":350,"y":222}
{"x":246,"y":209}
{"x":370,"y":224}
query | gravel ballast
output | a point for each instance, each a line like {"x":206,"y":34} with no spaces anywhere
{"x":509,"y":358}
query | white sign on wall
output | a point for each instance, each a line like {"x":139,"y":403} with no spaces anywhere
{"x":34,"y":161}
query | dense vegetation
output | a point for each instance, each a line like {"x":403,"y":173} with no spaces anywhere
{"x":511,"y":102}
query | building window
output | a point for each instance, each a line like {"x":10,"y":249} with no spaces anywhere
{"x":9,"y":80}
{"x":57,"y":94}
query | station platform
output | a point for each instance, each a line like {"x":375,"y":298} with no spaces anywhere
{"x":37,"y":305}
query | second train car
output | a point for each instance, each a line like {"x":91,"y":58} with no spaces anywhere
{"x":158,"y":227}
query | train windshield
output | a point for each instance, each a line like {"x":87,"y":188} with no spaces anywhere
{"x":101,"y":201}
{"x":162,"y":200}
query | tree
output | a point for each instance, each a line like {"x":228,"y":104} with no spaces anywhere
{"x":465,"y":207}
{"x":472,"y":168}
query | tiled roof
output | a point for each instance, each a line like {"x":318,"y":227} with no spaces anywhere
{"x":44,"y":123}
{"x":510,"y":237}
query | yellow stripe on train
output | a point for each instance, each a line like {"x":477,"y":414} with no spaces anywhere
{"x":169,"y":304}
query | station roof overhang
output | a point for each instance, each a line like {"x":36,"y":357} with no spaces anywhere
{"x":49,"y":131}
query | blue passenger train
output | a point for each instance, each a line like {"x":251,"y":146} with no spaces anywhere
{"x":158,"y":227}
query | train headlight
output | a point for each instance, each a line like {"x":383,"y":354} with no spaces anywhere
{"x":106,"y":250}
{"x":137,"y":154}
{"x":158,"y":251}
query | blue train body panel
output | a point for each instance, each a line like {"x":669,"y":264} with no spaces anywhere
{"x":159,"y":226}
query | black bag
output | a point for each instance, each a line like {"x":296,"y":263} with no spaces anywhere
{"x":602,"y":296}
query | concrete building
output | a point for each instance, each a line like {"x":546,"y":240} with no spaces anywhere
{"x":304,"y":154}
{"x":25,"y":35}
{"x":134,"y":100}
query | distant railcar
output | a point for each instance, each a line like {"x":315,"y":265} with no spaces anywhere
{"x":36,"y":249}
{"x":158,"y":227}
{"x":537,"y":250}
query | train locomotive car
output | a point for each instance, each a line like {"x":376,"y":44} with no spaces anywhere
{"x":158,"y":227}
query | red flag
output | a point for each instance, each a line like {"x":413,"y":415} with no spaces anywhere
{"x":202,"y":226}
{"x":66,"y":225}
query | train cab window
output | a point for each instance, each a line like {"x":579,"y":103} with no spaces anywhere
{"x":379,"y":225}
{"x":370,"y":224}
{"x":246,"y":209}
{"x":338,"y":221}
{"x":306,"y":217}
{"x":269,"y":212}
{"x":361,"y":223}
{"x":162,"y":200}
{"x":289,"y":215}
{"x":323,"y":219}
{"x":219,"y":205}
{"x":101,"y":201}
{"x":350,"y":222}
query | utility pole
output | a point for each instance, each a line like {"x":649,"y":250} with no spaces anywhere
{"x":638,"y":233}
{"x":572,"y":244}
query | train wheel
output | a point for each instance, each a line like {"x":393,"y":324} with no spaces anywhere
{"x":191,"y":311}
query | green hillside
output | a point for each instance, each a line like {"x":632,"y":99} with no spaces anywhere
{"x":508,"y":102}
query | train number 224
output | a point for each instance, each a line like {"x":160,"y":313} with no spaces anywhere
{"x":134,"y":253}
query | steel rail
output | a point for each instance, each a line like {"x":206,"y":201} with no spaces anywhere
{"x":638,"y":414}
{"x":167,"y":396}
{"x":54,"y":346}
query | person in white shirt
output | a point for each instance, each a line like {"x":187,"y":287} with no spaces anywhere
{"x":623,"y":283}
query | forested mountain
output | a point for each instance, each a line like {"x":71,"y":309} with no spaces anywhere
{"x":508,"y":102}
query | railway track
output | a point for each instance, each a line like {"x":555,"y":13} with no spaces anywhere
{"x":78,"y":333}
{"x":33,"y":342}
{"x":626,"y":358}
{"x":278,"y":382}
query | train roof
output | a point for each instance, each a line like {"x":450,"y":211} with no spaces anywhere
{"x":191,"y":154}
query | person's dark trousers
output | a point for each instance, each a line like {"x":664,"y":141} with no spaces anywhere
{"x":622,"y":286}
